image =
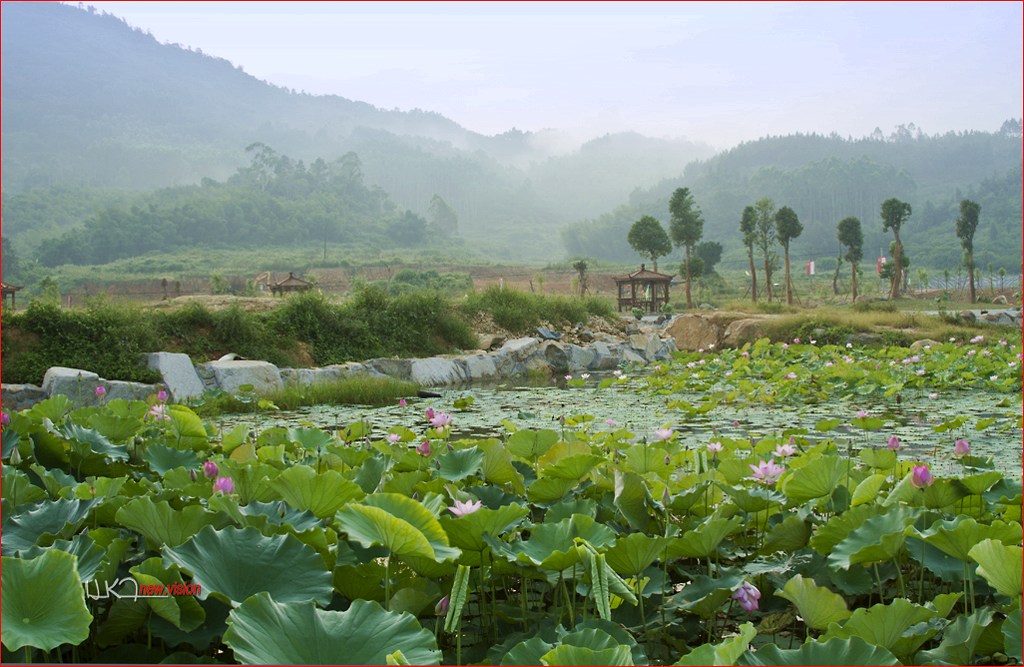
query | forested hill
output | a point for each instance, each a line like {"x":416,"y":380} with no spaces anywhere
{"x":825,"y":179}
{"x":91,"y":102}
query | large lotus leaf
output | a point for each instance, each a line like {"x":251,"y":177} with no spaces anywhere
{"x":162,"y":525}
{"x":704,"y":595}
{"x":1000,"y":565}
{"x":942,"y":493}
{"x":200,"y":638}
{"x":890,"y":626}
{"x":527,"y":652}
{"x":631,"y":554}
{"x":529,"y":444}
{"x":1012,"y":635}
{"x":840,"y":526}
{"x":883,"y":459}
{"x":818,"y":606}
{"x":310,"y":439}
{"x":565,"y":654}
{"x":278,"y":514}
{"x":466,"y":532}
{"x":645,"y":458}
{"x":186,"y":428}
{"x":752,"y":500}
{"x":818,"y":478}
{"x":553,"y":546}
{"x":401,"y":524}
{"x":852,"y":651}
{"x":460,"y":464}
{"x":323,"y":493}
{"x":877,"y":539}
{"x":126,"y":615}
{"x":9,"y":439}
{"x":43,"y":602}
{"x":723,"y":653}
{"x":574,"y":467}
{"x":868,"y":489}
{"x":549,"y":489}
{"x":280,"y":565}
{"x":618,"y":634}
{"x":789,"y":536}
{"x":703,"y":540}
{"x":18,"y":489}
{"x":114,"y":428}
{"x":958,"y":536}
{"x":60,"y":518}
{"x":181,"y":610}
{"x":54,"y":408}
{"x":959,"y":640}
{"x":982,"y":482}
{"x":161,"y":458}
{"x":497,"y":466}
{"x":633,"y":499}
{"x":262,"y":631}
{"x":89,"y":555}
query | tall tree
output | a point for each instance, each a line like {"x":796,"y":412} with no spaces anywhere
{"x":710,"y":253}
{"x":850,"y":235}
{"x":648,"y":238}
{"x":442,"y":216}
{"x":686,"y":228}
{"x":748,"y":227}
{"x":966,"y":225}
{"x":894,"y":214}
{"x":765,"y":226}
{"x":787,"y":228}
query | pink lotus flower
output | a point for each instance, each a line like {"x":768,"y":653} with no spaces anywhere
{"x":921,"y":477}
{"x":610,"y":422}
{"x":5,"y":419}
{"x":430,"y":413}
{"x":796,"y":340}
{"x":767,"y":472}
{"x":933,"y":396}
{"x":747,"y":595}
{"x":790,"y":376}
{"x":616,"y":372}
{"x":894,"y":443}
{"x":161,"y":396}
{"x":462,"y":509}
{"x":441,"y":608}
{"x":210,"y":469}
{"x":861,"y":414}
{"x":714,"y":447}
{"x":393,"y":438}
{"x":159,"y":412}
{"x":223,"y":485}
{"x":668,"y":459}
{"x":424,"y":448}
{"x":584,"y":376}
{"x":782,"y":451}
{"x":101,"y":391}
{"x":440,"y":420}
{"x":402,"y":403}
{"x":961,"y":448}
{"x":662,"y":434}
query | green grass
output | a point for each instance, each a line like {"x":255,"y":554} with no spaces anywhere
{"x":520,"y":312}
{"x":356,"y":390}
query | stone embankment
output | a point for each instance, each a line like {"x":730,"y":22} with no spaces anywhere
{"x":641,"y":343}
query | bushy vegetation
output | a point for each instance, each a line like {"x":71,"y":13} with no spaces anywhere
{"x":519,"y":312}
{"x":356,"y":390}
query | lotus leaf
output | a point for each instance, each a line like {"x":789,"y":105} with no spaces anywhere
{"x":852,"y":651}
{"x":723,"y":653}
{"x":1000,"y":565}
{"x":399,"y":523}
{"x":44,"y":602}
{"x":323,"y":493}
{"x":60,"y":518}
{"x":263,"y":631}
{"x":163,"y":526}
{"x":818,"y":606}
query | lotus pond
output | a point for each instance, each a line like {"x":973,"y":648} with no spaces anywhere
{"x":779,"y":504}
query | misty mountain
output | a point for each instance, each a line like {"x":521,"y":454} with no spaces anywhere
{"x":90,"y":102}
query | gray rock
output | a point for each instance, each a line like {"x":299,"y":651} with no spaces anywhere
{"x":131,"y":391}
{"x":178,"y":374}
{"x":437,"y":372}
{"x":77,"y":385}
{"x":480,"y":367}
{"x":606,"y":357}
{"x":692,"y":332}
{"x":230,"y":375}
{"x":646,"y":345}
{"x":967,"y":315}
{"x":741,"y":332}
{"x":556,"y":357}
{"x":1000,"y":299}
{"x":520,"y":348}
{"x":400,"y":369}
{"x":579,"y":358}
{"x":489,"y":341}
{"x":21,"y":396}
{"x":920,"y":344}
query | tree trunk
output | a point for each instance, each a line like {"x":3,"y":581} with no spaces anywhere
{"x":835,"y":276}
{"x":689,"y":278}
{"x":767,"y":278}
{"x":854,"y":270}
{"x":970,"y":275}
{"x":753,"y":275}
{"x":655,"y":260}
{"x":789,"y":285}
{"x":897,"y":278}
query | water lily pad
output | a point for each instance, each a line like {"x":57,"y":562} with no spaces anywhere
{"x":263,"y":631}
{"x":280,"y":565}
{"x":44,"y":602}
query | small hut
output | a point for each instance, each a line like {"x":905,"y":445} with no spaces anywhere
{"x":9,"y":290}
{"x":643,"y":289}
{"x":290,"y":284}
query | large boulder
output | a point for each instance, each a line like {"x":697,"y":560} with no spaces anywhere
{"x":741,"y":332}
{"x":692,"y":332}
{"x":77,"y":385}
{"x":178,"y":373}
{"x":606,"y":357}
{"x":399,"y":369}
{"x":923,"y":343}
{"x":480,"y":367}
{"x":437,"y":372}
{"x":230,"y":375}
{"x":131,"y":391}
{"x":647,"y":345}
{"x":21,"y":396}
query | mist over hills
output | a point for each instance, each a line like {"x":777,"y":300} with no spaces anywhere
{"x":98,"y":114}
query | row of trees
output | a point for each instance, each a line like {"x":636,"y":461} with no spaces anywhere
{"x":763,"y":226}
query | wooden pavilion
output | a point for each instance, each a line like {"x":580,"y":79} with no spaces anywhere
{"x":290,"y":284}
{"x":9,"y":290}
{"x":643,"y":289}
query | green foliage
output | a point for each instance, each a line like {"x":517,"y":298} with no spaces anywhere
{"x":521,"y":312}
{"x":649,"y":239}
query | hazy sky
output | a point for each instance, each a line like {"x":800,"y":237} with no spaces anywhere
{"x":717,"y":72}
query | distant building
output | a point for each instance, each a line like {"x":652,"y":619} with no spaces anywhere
{"x":9,"y":290}
{"x":290,"y":284}
{"x":643,"y":289}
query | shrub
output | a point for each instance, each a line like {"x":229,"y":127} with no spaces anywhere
{"x":520,"y":312}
